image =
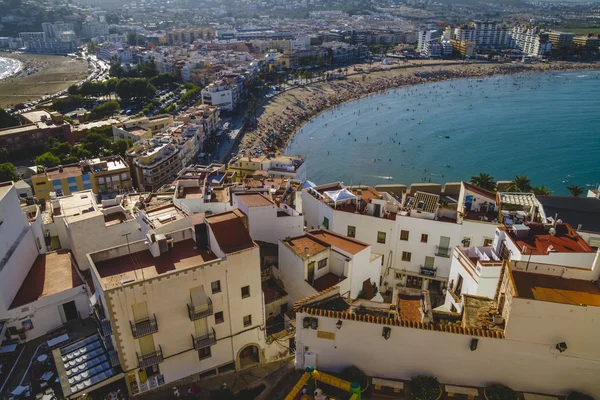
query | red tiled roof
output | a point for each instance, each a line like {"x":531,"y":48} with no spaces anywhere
{"x":326,"y":281}
{"x":51,"y":273}
{"x":409,"y":308}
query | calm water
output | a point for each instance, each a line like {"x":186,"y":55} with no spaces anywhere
{"x":545,"y":126}
{"x":8,"y":66}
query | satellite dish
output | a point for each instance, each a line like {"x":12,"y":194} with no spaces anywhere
{"x":552,"y":231}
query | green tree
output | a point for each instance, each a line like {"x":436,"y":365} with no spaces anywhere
{"x":73,"y":90}
{"x":47,"y":160}
{"x":521,"y":183}
{"x":104,"y":110}
{"x":541,"y":191}
{"x":484,"y":181}
{"x":576,"y":190}
{"x":8,"y":172}
{"x":121,"y":146}
{"x":131,"y":38}
{"x":7,"y":119}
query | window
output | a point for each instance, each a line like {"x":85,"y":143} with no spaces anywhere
{"x":403,"y":235}
{"x":380,"y":237}
{"x":351,"y":231}
{"x":248,"y":320}
{"x":406,"y":256}
{"x":322,"y":264}
{"x":216,"y":287}
{"x":245,"y":292}
{"x":204,"y":353}
{"x":219,"y":317}
{"x":487,"y":242}
{"x":466,"y":241}
{"x":424,"y":237}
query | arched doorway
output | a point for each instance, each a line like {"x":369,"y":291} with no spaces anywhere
{"x":248,"y":356}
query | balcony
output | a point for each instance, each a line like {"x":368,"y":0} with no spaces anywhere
{"x":442,"y":251}
{"x":201,"y":342}
{"x":427,"y":271}
{"x":194,"y":314}
{"x":144,"y":328}
{"x":150,"y":359}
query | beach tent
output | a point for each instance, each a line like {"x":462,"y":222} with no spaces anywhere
{"x":340,"y":195}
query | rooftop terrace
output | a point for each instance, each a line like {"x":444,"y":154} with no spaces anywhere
{"x":142,"y":265}
{"x":51,"y":273}
{"x":555,"y":289}
{"x":536,"y":239}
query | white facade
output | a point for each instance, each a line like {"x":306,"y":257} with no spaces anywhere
{"x":330,"y":254}
{"x":23,"y":264}
{"x":524,"y":358}
{"x":426,"y":36}
{"x":222,"y":286}
{"x":221,"y":94}
{"x":530,"y":41}
{"x":266,"y":221}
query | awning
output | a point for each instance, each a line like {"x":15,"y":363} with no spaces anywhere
{"x":340,"y":195}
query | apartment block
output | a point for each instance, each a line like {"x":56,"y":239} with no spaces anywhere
{"x":141,"y":128}
{"x":185,"y":303}
{"x":101,"y":175}
{"x":37,"y":128}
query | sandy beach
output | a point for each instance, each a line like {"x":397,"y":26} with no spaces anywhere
{"x":281,"y":117}
{"x":40,"y":75}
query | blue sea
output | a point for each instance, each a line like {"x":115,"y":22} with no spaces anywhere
{"x":8,"y":66}
{"x":542,"y":125}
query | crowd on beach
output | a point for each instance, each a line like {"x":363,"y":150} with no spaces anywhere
{"x":275,"y":129}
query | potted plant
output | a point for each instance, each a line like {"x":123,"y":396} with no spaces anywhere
{"x":499,"y":392}
{"x":425,"y":388}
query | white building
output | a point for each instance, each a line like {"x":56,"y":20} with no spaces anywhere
{"x":432,"y":49}
{"x":426,"y":36}
{"x":540,"y":338}
{"x":414,"y":234}
{"x":83,"y":226}
{"x":222,"y":94}
{"x":484,"y":34}
{"x":320,"y":259}
{"x":185,"y":303}
{"x":268,"y":222}
{"x":39,"y":290}
{"x":530,"y":40}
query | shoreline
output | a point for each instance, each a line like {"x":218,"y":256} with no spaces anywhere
{"x":274,"y":131}
{"x":39,"y":75}
{"x":14,"y":71}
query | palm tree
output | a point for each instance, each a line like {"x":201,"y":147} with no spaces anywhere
{"x":521,"y":183}
{"x":541,"y":191}
{"x":576,"y":190}
{"x":484,"y":181}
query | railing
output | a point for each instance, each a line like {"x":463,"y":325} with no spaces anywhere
{"x":150,"y":359}
{"x":442,"y":251}
{"x":104,"y":325}
{"x":201,"y":342}
{"x":145,"y":327}
{"x":195,"y":315}
{"x":427,"y":271}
